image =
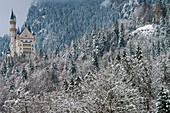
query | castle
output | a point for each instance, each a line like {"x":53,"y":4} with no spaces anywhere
{"x":21,"y":42}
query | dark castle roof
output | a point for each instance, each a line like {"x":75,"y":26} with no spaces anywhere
{"x":12,"y":15}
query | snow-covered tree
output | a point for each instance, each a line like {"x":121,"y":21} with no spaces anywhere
{"x":163,"y":104}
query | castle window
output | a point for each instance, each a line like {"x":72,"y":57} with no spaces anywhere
{"x":25,"y":36}
{"x":27,"y":48}
{"x":26,"y":44}
{"x":21,"y":40}
{"x":26,"y":41}
{"x":27,"y":52}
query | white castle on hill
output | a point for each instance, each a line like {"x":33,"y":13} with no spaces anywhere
{"x":21,"y":42}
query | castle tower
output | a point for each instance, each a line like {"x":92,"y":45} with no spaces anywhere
{"x":13,"y":34}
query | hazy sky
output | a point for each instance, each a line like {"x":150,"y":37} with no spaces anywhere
{"x":20,"y":8}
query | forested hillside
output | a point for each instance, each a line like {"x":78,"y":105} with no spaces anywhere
{"x":4,"y":45}
{"x":121,"y":67}
{"x":58,"y":23}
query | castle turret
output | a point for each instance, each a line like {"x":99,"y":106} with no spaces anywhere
{"x":13,"y":33}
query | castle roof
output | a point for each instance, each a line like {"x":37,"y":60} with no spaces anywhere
{"x":26,"y":28}
{"x":12,"y":15}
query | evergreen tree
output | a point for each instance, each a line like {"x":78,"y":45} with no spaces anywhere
{"x":73,"y":68}
{"x":24,"y":74}
{"x":139,"y":53}
{"x":12,"y":62}
{"x":122,"y":30}
{"x":77,"y":81}
{"x":122,"y":42}
{"x":163,"y":104}
{"x":124,"y":53}
{"x":94,"y":32}
{"x":131,"y":51}
{"x":31,"y":66}
{"x":153,"y":51}
{"x":66,"y":85}
{"x":95,"y":60}
{"x":163,"y":47}
{"x":12,"y":86}
{"x":122,"y":33}
{"x":116,"y":27}
{"x":158,"y":48}
{"x":4,"y":69}
{"x":118,"y":58}
{"x":46,"y":57}
{"x":54,"y":78}
{"x":41,"y":54}
{"x":74,"y":50}
{"x":23,"y":55}
{"x":71,"y":85}
{"x":116,"y":30}
{"x":56,"y":52}
{"x":8,"y":62}
{"x":164,"y":10}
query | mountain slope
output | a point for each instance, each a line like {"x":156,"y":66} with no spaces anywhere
{"x":58,"y":23}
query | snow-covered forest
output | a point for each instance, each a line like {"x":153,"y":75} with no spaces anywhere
{"x":119,"y":64}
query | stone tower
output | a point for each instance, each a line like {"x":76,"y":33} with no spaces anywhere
{"x":13,"y":33}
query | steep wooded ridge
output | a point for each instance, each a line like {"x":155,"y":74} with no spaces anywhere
{"x":122,"y":68}
{"x":58,"y":23}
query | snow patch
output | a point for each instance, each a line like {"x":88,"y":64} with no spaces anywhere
{"x":145,"y":30}
{"x":105,"y":3}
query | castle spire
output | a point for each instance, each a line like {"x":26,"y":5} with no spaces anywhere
{"x":12,"y":15}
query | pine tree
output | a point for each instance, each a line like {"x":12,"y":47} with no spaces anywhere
{"x":116,"y":30}
{"x":8,"y":62}
{"x":139,"y":53}
{"x":164,"y":10}
{"x":77,"y":81}
{"x":94,"y":32}
{"x":124,"y":53}
{"x":122,"y":30}
{"x":56,"y":52}
{"x":23,"y":55}
{"x":73,"y":68}
{"x":66,"y":85}
{"x":54,"y":78}
{"x":118,"y":57}
{"x":46,"y":57}
{"x":31,"y":66}
{"x":12,"y":62}
{"x":158,"y":48}
{"x":24,"y":74}
{"x":153,"y":51}
{"x":71,"y":85}
{"x":4,"y":69}
{"x":131,"y":51}
{"x":163,"y":104}
{"x":95,"y":60}
{"x":122,"y":42}
{"x":41,"y":53}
